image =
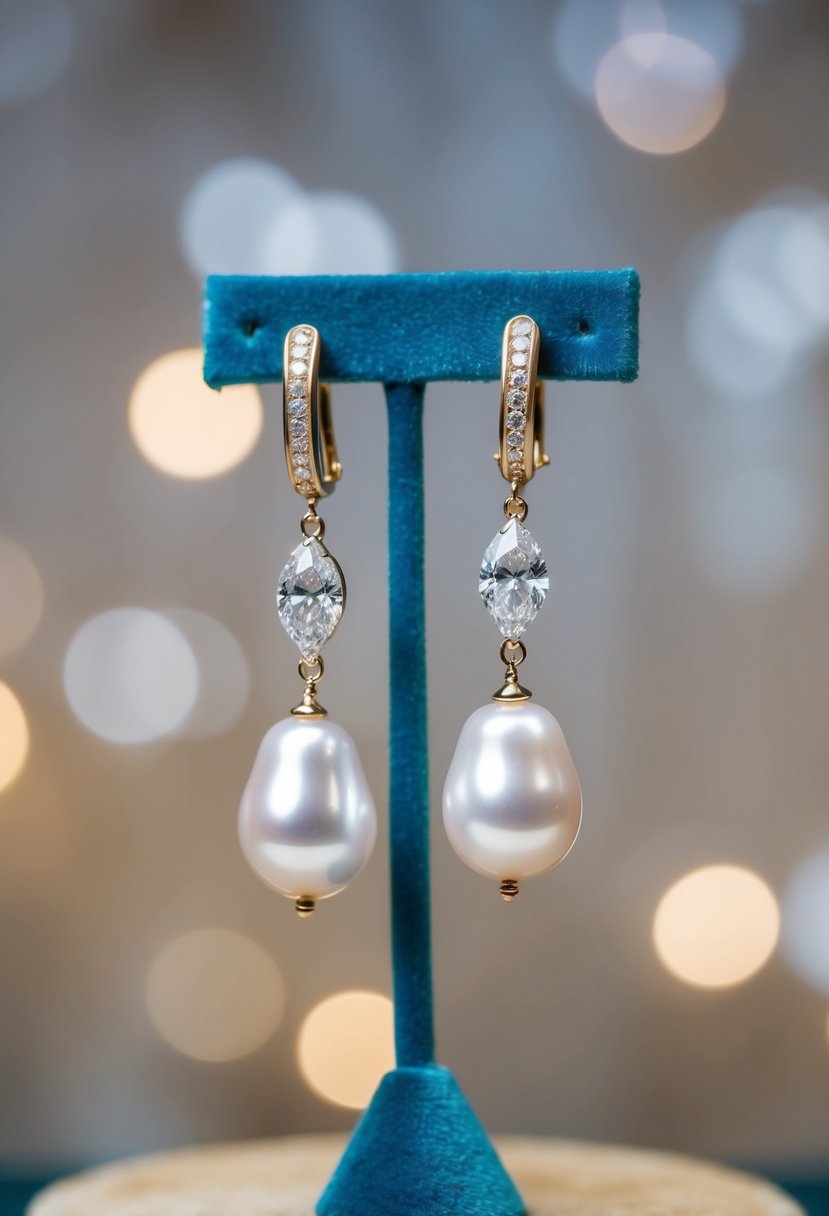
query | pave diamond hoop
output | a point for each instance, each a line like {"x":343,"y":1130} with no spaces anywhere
{"x":310,"y":449}
{"x":521,"y":450}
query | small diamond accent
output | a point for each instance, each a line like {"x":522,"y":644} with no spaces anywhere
{"x":299,"y":445}
{"x":297,"y":369}
{"x":301,"y":338}
{"x":522,"y":327}
{"x":310,"y":596}
{"x":514,"y":440}
{"x":299,"y":352}
{"x":516,"y":399}
{"x":520,"y":344}
{"x":296,"y":407}
{"x":297,"y":427}
{"x":513,"y":581}
{"x":518,"y":359}
{"x":302,"y":476}
{"x":515,"y":421}
{"x":519,"y":379}
{"x":296,"y":387}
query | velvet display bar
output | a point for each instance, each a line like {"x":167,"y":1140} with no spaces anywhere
{"x":409,"y":329}
{"x":419,"y":1149}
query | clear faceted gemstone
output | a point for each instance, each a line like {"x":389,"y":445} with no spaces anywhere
{"x":516,"y":400}
{"x":519,"y":379}
{"x":296,"y":388}
{"x":515,"y":440}
{"x":520,"y":343}
{"x":310,"y":596}
{"x":518,"y":358}
{"x":513,"y":581}
{"x":297,"y":369}
{"x":297,"y":427}
{"x":299,"y":445}
{"x":296,"y":407}
{"x":303,"y":477}
{"x":299,"y":352}
{"x":515,"y":420}
{"x":522,"y":327}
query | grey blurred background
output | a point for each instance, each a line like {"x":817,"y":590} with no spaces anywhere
{"x":683,"y":518}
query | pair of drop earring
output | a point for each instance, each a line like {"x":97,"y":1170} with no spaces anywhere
{"x":511,"y":801}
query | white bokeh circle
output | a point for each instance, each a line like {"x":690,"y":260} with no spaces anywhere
{"x":805,"y":939}
{"x":36,"y":38}
{"x":331,"y":232}
{"x":224,"y":680}
{"x":130,"y":676}
{"x":659,"y":93}
{"x":228,"y":213}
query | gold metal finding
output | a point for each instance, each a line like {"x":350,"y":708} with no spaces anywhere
{"x":515,"y":507}
{"x":305,"y":906}
{"x":521,"y":449}
{"x":511,"y":691}
{"x":312,"y":524}
{"x":311,"y":670}
{"x":310,"y":447}
{"x":509,"y":890}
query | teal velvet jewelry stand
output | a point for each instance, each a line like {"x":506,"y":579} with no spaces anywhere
{"x":419,"y":1149}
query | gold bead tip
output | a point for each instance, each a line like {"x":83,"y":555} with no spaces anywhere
{"x":305,"y":906}
{"x":509,"y":890}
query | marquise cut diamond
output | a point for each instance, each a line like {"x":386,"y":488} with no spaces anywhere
{"x":513,"y":581}
{"x":310,"y":596}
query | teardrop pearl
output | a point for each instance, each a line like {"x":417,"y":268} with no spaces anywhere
{"x":307,"y":822}
{"x":512,"y":799}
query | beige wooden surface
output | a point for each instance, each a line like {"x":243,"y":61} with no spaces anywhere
{"x":285,"y":1177}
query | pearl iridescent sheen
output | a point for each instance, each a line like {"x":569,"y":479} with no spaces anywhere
{"x":307,"y":822}
{"x":512,"y":799}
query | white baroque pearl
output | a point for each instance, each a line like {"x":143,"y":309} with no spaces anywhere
{"x":512,"y":799}
{"x":307,"y":822}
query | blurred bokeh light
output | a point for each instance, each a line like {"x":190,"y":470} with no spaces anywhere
{"x":21,"y":601}
{"x":345,"y":1045}
{"x":214,"y":995}
{"x":330,"y":233}
{"x":659,"y":93}
{"x":36,"y":39}
{"x":227,"y":216}
{"x":224,"y":681}
{"x":806,"y":920}
{"x":14,"y":734}
{"x":185,"y":428}
{"x":130,"y":675}
{"x":716,"y":926}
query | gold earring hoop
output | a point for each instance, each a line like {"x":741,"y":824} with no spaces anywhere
{"x":310,"y":448}
{"x":522,"y":404}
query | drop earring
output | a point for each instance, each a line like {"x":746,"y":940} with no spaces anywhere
{"x":307,"y":822}
{"x":512,"y":800}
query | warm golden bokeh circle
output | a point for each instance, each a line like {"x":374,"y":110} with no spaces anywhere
{"x":659,"y":93}
{"x":14,"y":737}
{"x":716,"y":926}
{"x":214,"y":995}
{"x":185,"y":428}
{"x":346,"y":1044}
